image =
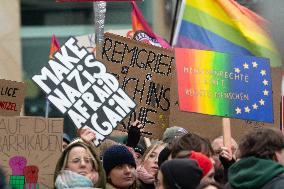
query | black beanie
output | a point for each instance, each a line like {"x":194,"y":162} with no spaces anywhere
{"x":117,"y":155}
{"x":175,"y":171}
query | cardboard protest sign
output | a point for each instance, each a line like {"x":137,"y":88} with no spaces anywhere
{"x":12,"y":96}
{"x":78,"y":85}
{"x":10,"y":43}
{"x":211,"y":126}
{"x":144,"y":71}
{"x":30,"y":148}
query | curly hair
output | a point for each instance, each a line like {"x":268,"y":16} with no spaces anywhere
{"x":262,"y":143}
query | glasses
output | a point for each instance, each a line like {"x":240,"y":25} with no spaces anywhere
{"x":87,"y":160}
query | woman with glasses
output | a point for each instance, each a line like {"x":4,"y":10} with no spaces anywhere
{"x":79,"y":167}
{"x":148,"y":170}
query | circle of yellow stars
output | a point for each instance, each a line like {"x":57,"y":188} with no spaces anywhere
{"x":261,"y":102}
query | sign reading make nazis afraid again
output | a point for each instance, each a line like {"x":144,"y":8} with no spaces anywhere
{"x":78,"y":85}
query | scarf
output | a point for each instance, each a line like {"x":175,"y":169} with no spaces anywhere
{"x":144,"y":176}
{"x":70,"y":179}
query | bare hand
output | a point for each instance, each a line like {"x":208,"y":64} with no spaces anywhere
{"x":225,"y":153}
{"x":94,"y":176}
{"x":87,"y":134}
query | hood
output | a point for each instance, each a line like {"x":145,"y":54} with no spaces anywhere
{"x":63,"y":158}
{"x":253,"y":173}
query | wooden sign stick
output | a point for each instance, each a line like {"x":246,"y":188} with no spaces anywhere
{"x":227,"y":133}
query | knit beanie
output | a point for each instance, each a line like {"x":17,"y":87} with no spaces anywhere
{"x":202,"y":160}
{"x":175,"y":171}
{"x":117,"y":155}
{"x":172,"y":132}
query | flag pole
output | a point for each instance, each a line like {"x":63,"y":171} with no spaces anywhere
{"x":174,"y":21}
{"x":99,"y":14}
{"x":54,"y":46}
{"x":46,"y":107}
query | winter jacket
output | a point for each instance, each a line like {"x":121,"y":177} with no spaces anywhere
{"x":110,"y":186}
{"x":142,"y":185}
{"x":256,"y":173}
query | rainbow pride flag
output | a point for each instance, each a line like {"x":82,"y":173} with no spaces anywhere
{"x":224,"y":26}
{"x":223,"y":84}
{"x":54,"y":46}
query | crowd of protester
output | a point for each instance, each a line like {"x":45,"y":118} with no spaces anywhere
{"x":182,"y":160}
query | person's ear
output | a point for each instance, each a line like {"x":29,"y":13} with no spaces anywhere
{"x":276,"y":156}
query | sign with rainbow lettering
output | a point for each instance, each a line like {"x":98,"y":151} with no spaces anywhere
{"x":223,"y":84}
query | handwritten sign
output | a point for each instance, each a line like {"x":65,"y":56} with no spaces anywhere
{"x":12,"y":95}
{"x":29,"y":148}
{"x":78,"y":85}
{"x":144,"y":71}
{"x":226,"y":85}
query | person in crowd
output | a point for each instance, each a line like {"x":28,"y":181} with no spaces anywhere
{"x":191,"y":141}
{"x":133,"y":140}
{"x":172,"y":133}
{"x":139,"y":152}
{"x":223,"y":158}
{"x":204,"y":163}
{"x":186,"y":142}
{"x":179,"y":174}
{"x":87,"y":135}
{"x":164,"y":155}
{"x":170,"y":136}
{"x":3,"y":184}
{"x":79,"y":167}
{"x":261,"y":161}
{"x":65,"y":140}
{"x":210,"y":185}
{"x":148,"y":169}
{"x":120,"y":168}
{"x":100,"y":150}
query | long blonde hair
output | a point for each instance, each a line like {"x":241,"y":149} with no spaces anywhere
{"x":150,"y":149}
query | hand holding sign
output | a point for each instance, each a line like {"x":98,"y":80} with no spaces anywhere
{"x":87,"y":134}
{"x":78,"y":84}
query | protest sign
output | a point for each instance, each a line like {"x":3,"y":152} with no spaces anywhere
{"x":144,"y":71}
{"x":225,"y":85}
{"x":211,"y":126}
{"x":30,"y":148}
{"x":78,"y":85}
{"x":12,"y":95}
